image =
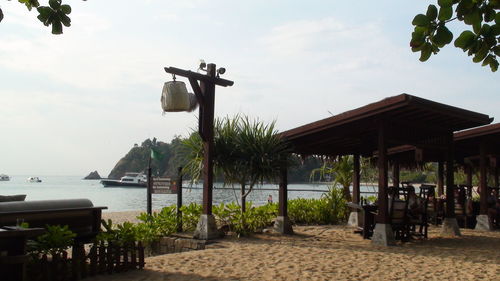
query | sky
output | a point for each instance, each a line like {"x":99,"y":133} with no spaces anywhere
{"x":78,"y":102}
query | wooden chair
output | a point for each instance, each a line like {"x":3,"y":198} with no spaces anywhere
{"x":460,"y":205}
{"x":398,"y":212}
{"x":493,"y":206}
{"x":428,"y":196}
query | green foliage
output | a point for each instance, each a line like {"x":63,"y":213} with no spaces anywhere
{"x":55,"y":14}
{"x":54,"y":241}
{"x":190,"y":215}
{"x":431,"y":34}
{"x":120,"y":234}
{"x":254,"y":219}
{"x":245,"y":152}
{"x":341,"y":169}
{"x":156,"y":225}
{"x":309,"y":211}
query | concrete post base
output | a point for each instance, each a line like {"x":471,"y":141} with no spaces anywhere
{"x":353,"y":219}
{"x":450,"y":227}
{"x":383,"y":235}
{"x":283,"y":225}
{"x":483,"y":223}
{"x":206,"y":228}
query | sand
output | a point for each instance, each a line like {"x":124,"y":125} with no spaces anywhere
{"x":327,"y":253}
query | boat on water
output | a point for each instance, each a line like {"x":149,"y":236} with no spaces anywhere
{"x":34,"y":179}
{"x":128,"y":180}
{"x":4,"y":177}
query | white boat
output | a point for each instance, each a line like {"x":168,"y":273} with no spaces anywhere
{"x":129,"y":179}
{"x":4,"y":177}
{"x":34,"y":179}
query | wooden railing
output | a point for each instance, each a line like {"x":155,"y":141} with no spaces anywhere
{"x":100,"y":259}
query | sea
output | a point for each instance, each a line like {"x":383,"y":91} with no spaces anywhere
{"x":132,"y":199}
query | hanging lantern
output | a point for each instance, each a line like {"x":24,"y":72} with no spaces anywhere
{"x":175,"y":97}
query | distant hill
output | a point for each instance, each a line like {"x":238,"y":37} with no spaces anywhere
{"x":136,"y":160}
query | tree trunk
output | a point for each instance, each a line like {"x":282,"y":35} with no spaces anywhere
{"x":347,"y":193}
{"x":243,"y":199}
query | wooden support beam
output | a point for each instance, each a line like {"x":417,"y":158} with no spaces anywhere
{"x":495,"y":177}
{"x":355,"y":180}
{"x":468,"y":175}
{"x":383,"y":212}
{"x":283,"y":193}
{"x":483,"y":180}
{"x":200,"y":77}
{"x":208,"y":90}
{"x":450,"y":194}
{"x":440,"y":178}
{"x":395,"y":174}
{"x":197,"y":91}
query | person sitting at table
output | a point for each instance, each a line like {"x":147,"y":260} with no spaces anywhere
{"x":415,"y":204}
{"x":494,"y":207}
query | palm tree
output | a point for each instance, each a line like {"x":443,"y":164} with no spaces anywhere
{"x":341,"y":169}
{"x":246,"y":152}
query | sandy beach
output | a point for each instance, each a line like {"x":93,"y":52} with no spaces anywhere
{"x":327,"y":253}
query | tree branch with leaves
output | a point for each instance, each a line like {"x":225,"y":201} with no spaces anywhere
{"x":55,"y":14}
{"x":431,"y":32}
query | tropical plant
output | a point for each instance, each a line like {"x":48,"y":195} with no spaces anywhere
{"x":246,"y":152}
{"x":341,"y":169}
{"x":54,"y":241}
{"x":190,"y":215}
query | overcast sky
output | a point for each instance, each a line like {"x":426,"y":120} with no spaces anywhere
{"x":77,"y":102}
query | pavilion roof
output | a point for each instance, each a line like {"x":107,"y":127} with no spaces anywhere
{"x":408,"y":120}
{"x":467,"y":142}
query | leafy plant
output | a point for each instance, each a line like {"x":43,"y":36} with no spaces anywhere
{"x":431,"y":32}
{"x":190,"y":215}
{"x":54,"y":241}
{"x":246,"y":152}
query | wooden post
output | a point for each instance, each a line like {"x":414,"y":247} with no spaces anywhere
{"x":283,"y":193}
{"x":468,"y":175}
{"x":383,"y":214}
{"x":450,"y":194}
{"x":395,"y":174}
{"x":208,"y":90}
{"x":440,"y":178}
{"x":149,"y":190}
{"x":355,"y":180}
{"x":483,"y":180}
{"x":495,"y":176}
{"x":179,"y":199}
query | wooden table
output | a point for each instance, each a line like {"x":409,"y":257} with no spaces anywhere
{"x":13,"y":251}
{"x":368,"y":214}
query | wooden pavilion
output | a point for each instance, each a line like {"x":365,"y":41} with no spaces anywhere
{"x":374,"y":128}
{"x":479,"y":148}
{"x":475,"y":149}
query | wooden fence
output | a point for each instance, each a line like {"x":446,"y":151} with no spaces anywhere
{"x":100,"y":259}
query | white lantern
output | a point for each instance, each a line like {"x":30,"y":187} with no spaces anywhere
{"x":175,"y":97}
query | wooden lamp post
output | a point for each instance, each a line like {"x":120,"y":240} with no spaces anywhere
{"x":203,"y":86}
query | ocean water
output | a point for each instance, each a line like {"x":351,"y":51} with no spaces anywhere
{"x":125,"y":199}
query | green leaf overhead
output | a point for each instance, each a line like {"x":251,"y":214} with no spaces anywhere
{"x":431,"y":12}
{"x":478,"y":38}
{"x":421,"y":20}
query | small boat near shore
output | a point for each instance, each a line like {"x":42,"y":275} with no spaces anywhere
{"x":4,"y":177}
{"x":34,"y":179}
{"x":128,"y":180}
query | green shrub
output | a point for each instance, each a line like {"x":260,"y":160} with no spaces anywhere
{"x":54,"y":241}
{"x":190,"y":215}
